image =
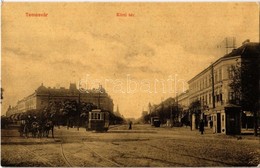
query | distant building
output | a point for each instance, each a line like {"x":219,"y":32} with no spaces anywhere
{"x":211,"y":88}
{"x":184,"y":102}
{"x":43,"y":95}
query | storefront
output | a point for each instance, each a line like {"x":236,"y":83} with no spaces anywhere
{"x":227,"y":120}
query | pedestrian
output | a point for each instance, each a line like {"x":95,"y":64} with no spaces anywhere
{"x":130,"y":125}
{"x":211,"y":123}
{"x":201,"y":125}
{"x":34,"y":119}
{"x":28,"y":120}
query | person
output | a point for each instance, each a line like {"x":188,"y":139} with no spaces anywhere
{"x":130,"y":125}
{"x":28,"y":121}
{"x":201,"y":125}
{"x":211,"y":123}
{"x":34,"y":119}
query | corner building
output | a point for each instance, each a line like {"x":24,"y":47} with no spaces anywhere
{"x":211,"y":88}
{"x":43,"y":95}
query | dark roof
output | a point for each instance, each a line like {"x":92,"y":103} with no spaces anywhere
{"x":246,"y":50}
{"x":41,"y":89}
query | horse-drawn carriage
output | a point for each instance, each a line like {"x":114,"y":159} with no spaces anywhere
{"x":36,"y":127}
{"x":26,"y":128}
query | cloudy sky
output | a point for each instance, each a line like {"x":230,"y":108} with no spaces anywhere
{"x":129,"y":56}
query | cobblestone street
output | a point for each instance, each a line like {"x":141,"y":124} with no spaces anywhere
{"x":143,"y":146}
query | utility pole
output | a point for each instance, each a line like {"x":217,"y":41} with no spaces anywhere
{"x":99,"y":91}
{"x":177,"y":104}
{"x":212,"y":84}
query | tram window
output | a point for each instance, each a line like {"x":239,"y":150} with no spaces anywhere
{"x":92,"y":116}
{"x":95,"y":115}
{"x":98,"y":116}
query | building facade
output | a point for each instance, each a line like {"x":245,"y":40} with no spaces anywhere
{"x":43,"y":95}
{"x":211,"y":87}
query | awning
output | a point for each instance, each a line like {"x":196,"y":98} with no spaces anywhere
{"x":223,"y":107}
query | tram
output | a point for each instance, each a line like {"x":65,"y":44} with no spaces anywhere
{"x":98,"y":120}
{"x":155,"y":121}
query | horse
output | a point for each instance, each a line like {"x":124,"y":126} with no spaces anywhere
{"x":35,"y":129}
{"x":47,"y":127}
{"x":26,"y":128}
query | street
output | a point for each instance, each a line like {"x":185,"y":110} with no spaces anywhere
{"x":143,"y":146}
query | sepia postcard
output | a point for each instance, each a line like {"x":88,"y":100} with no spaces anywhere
{"x":130,"y":84}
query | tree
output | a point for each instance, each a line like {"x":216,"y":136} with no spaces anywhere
{"x":195,"y":108}
{"x":245,"y":81}
{"x":235,"y":83}
{"x":69,"y":110}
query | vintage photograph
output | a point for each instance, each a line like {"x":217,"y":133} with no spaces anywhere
{"x":130,"y":84}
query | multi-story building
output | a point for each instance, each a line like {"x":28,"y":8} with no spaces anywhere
{"x":211,"y":88}
{"x":183,"y":100}
{"x":43,"y":95}
{"x":184,"y":103}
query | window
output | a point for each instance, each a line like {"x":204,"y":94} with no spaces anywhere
{"x":231,"y":96}
{"x":216,"y":76}
{"x":206,"y":80}
{"x":220,"y":75}
{"x":230,"y":72}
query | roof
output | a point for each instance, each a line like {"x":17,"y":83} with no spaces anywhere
{"x":246,"y":49}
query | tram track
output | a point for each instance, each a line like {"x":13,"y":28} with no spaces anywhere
{"x":186,"y":155}
{"x":40,"y":158}
{"x":95,"y":158}
{"x":64,"y":156}
{"x":78,"y":156}
{"x":102,"y":157}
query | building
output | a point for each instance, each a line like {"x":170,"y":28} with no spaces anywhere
{"x":183,"y":100}
{"x":183,"y":103}
{"x":211,"y":88}
{"x":43,"y":95}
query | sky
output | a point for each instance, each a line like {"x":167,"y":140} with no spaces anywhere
{"x":146,"y":56}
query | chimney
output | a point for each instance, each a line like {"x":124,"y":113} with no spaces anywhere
{"x":246,"y":41}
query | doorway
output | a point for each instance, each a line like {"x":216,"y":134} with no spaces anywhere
{"x":218,"y":123}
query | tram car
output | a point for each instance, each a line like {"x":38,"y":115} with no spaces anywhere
{"x":155,"y":121}
{"x":98,"y":120}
